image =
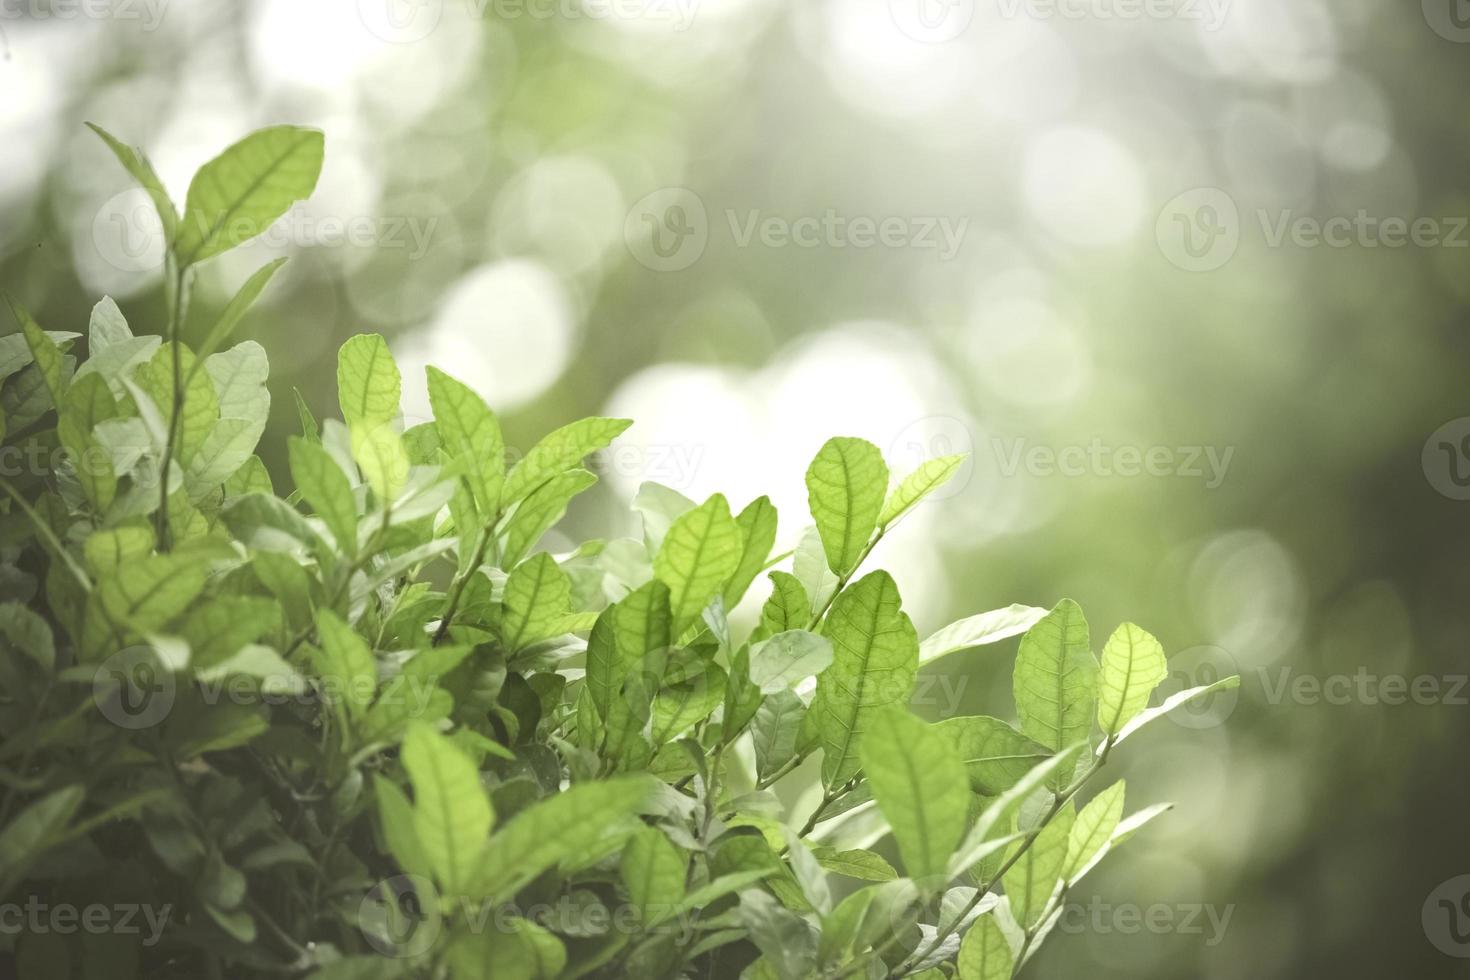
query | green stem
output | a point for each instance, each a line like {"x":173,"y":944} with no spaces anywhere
{"x":175,"y":295}
{"x":456,"y":591}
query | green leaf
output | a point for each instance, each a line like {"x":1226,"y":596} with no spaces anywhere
{"x":137,"y":165}
{"x":217,"y":629}
{"x":785,"y":939}
{"x":698,"y":556}
{"x":538,"y":596}
{"x":994,"y":753}
{"x":368,"y":385}
{"x":1093,"y":829}
{"x":528,"y":953}
{"x":875,"y":657}
{"x":323,"y":484}
{"x":788,"y":658}
{"x":1133,"y":665}
{"x":845,"y":485}
{"x":27,"y":633}
{"x":24,"y":839}
{"x":637,"y":636}
{"x":1031,"y":881}
{"x":981,"y":841}
{"x":558,"y":452}
{"x":149,"y":592}
{"x":919,"y":783}
{"x":757,"y":534}
{"x":1055,"y":680}
{"x":774,"y":731}
{"x":535,"y":515}
{"x":788,"y":607}
{"x":451,"y":811}
{"x":239,"y":376}
{"x":678,"y":707}
{"x":225,"y":449}
{"x":973,"y":631}
{"x":658,"y":506}
{"x":239,"y":193}
{"x":1176,"y":701}
{"x":653,"y":872}
{"x":471,"y":436}
{"x":238,"y":306}
{"x":984,"y":953}
{"x":379,"y":453}
{"x":201,"y":403}
{"x":930,"y":476}
{"x":548,"y":832}
{"x":346,"y":665}
{"x":857,"y":863}
{"x":396,"y":818}
{"x":44,"y":352}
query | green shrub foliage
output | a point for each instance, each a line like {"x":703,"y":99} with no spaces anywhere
{"x":369,"y":729}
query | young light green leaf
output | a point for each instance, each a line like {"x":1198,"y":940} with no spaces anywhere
{"x":1126,"y":828}
{"x":982,"y":841}
{"x":379,"y":453}
{"x":239,"y":193}
{"x":1093,"y":829}
{"x":757,"y":534}
{"x":995,"y":754}
{"x":1031,"y":881}
{"x":537,"y":596}
{"x":558,"y":452}
{"x":658,"y":506}
{"x":238,"y":306}
{"x":1178,"y":700}
{"x":846,"y":483}
{"x":974,"y":631}
{"x":138,"y":167}
{"x":229,"y":444}
{"x":1133,"y":665}
{"x":150,"y":592}
{"x":785,"y":939}
{"x":536,"y":514}
{"x":788,"y":658}
{"x":470,"y":434}
{"x":368,"y":385}
{"x":984,"y":953}
{"x":396,"y":818}
{"x":44,"y":352}
{"x":919,"y":783}
{"x":1055,"y":680}
{"x":875,"y":658}
{"x":930,"y":476}
{"x":529,"y":952}
{"x":698,"y":556}
{"x":653,"y":871}
{"x":451,"y":812}
{"x":547,"y":832}
{"x":788,"y":607}
{"x":323,"y":484}
{"x":855,"y":863}
{"x":238,"y":376}
{"x":774,"y":729}
{"x":347,"y":668}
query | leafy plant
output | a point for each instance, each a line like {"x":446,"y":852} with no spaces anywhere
{"x":369,"y":730}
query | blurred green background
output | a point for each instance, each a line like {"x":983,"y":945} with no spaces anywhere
{"x":1088,"y":241}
